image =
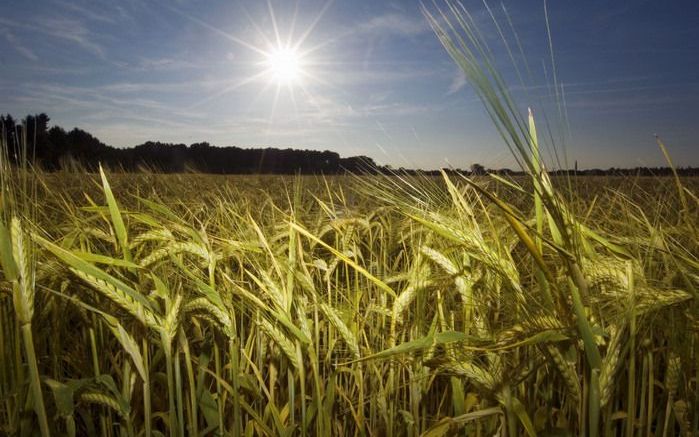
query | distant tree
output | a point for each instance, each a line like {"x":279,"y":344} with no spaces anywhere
{"x":504,"y":171}
{"x":37,"y":127}
{"x":359,"y":164}
{"x":477,"y":169}
{"x":8,"y":125}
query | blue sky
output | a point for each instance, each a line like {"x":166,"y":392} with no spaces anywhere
{"x":378,"y":82}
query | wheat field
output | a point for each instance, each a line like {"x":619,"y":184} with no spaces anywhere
{"x":395,"y":305}
{"x":365,"y":305}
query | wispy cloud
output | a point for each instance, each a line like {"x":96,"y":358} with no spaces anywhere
{"x":325,"y":110}
{"x":17,"y":45}
{"x":458,"y":82}
{"x":64,"y":28}
{"x":90,"y":14}
{"x":350,"y":74}
{"x":162,"y":64}
{"x":70,"y":30}
{"x":90,"y":101}
{"x":393,"y":23}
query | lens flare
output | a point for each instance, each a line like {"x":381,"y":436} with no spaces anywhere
{"x":284,"y":65}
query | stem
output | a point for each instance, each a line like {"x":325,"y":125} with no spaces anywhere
{"x":146,"y":391}
{"x":631,"y":408}
{"x":96,"y":369}
{"x":219,"y":393}
{"x":237,"y":416}
{"x":579,"y":286}
{"x":180,"y":402}
{"x":594,"y":403}
{"x":193,"y":426}
{"x":34,"y":381}
{"x":172,"y":414}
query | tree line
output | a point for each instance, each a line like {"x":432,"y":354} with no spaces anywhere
{"x":54,"y":148}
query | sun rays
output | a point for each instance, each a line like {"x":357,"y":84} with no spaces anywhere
{"x":277,"y":57}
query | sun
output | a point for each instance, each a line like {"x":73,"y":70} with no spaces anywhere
{"x":284,"y":65}
{"x":284,"y":59}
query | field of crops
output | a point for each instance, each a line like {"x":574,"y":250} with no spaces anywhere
{"x":211,"y":305}
{"x":148,"y":305}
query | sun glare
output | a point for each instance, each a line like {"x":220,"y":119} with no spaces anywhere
{"x":284,"y":61}
{"x":284,"y":65}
